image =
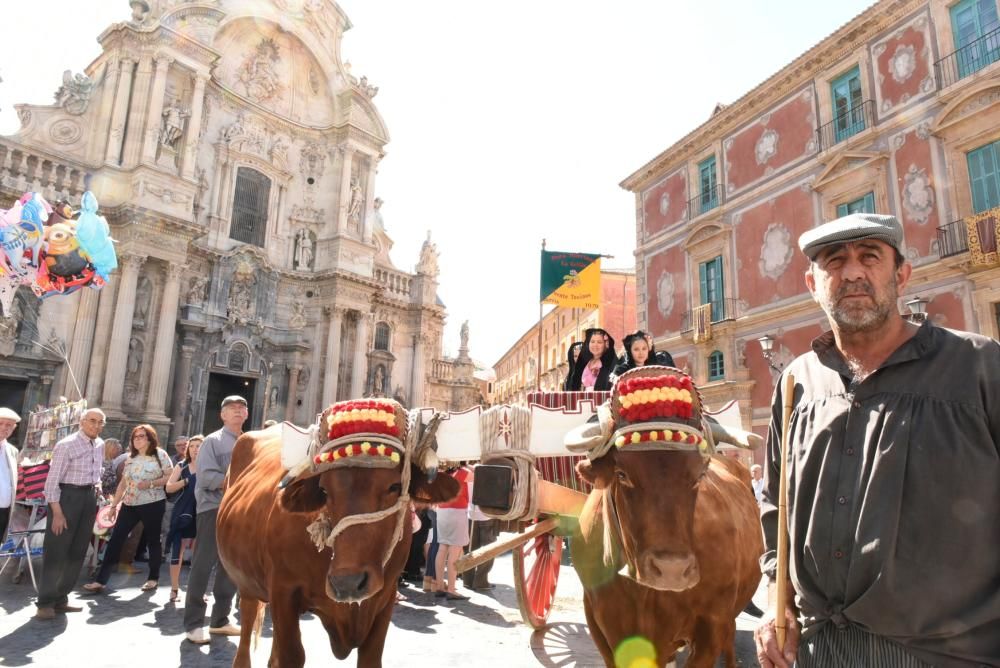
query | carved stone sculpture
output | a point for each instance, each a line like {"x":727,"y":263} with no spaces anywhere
{"x":298,"y":318}
{"x":240,"y":303}
{"x":428,"y":263}
{"x":74,"y":94}
{"x":172,"y":126}
{"x":135,"y":355}
{"x":197,"y":291}
{"x":357,"y":200}
{"x":143,"y":296}
{"x":259,"y":74}
{"x":464,"y":336}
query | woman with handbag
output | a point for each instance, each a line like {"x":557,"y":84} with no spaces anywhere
{"x":141,"y":493}
{"x":182,"y":522}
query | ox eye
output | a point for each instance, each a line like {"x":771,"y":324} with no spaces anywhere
{"x":622,"y":477}
{"x":396,"y":488}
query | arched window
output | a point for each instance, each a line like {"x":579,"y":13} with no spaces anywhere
{"x":382,"y":332}
{"x":250,"y":201}
{"x":716,"y":366}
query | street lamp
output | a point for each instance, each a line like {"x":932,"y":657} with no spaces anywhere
{"x":767,"y":349}
{"x":918,"y":309}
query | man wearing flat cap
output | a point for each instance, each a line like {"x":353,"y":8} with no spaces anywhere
{"x":213,"y":463}
{"x":894,"y":473}
{"x":8,"y":468}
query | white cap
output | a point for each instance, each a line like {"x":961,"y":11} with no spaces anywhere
{"x":8,"y":414}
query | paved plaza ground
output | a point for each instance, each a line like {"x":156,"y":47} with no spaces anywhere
{"x":129,"y":628}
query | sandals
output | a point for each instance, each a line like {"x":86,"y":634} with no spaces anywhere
{"x":454,"y":596}
{"x":149,"y":585}
{"x":94,"y":588}
{"x":174,"y":593}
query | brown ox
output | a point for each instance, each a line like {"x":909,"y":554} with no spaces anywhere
{"x":686,"y":530}
{"x":267,"y":552}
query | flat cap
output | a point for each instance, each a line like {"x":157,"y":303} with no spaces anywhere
{"x":853,"y":227}
{"x":233,"y":399}
{"x":8,"y":414}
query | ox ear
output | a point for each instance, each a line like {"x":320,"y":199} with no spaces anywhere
{"x":598,"y":472}
{"x":303,"y":496}
{"x":442,"y":489}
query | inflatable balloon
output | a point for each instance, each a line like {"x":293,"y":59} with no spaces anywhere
{"x":94,"y":237}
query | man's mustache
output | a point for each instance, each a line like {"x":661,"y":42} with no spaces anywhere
{"x":854,"y":289}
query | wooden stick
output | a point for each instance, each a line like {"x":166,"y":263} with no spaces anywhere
{"x":780,"y":625}
{"x":487,"y":552}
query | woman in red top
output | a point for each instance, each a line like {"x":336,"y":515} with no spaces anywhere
{"x":453,"y":535}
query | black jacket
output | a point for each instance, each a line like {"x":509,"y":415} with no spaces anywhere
{"x":576,"y":345}
{"x":625,"y":362}
{"x":608,"y":360}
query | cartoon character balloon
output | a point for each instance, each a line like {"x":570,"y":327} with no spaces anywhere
{"x":42,"y":246}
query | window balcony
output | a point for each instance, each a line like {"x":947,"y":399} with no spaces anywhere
{"x":968,"y":60}
{"x":847,"y":125}
{"x":977,"y":235}
{"x":700,"y":319}
{"x":708,"y":199}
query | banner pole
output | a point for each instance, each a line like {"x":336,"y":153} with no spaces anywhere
{"x":538,"y":361}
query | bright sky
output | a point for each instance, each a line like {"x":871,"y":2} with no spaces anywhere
{"x":510,"y":120}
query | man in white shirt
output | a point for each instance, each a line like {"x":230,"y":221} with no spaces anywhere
{"x":757,"y":480}
{"x":8,"y":468}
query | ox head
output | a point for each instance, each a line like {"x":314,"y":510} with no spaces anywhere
{"x":647,"y":456}
{"x":359,"y":489}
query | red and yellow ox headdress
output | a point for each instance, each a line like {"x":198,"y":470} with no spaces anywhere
{"x":364,"y":432}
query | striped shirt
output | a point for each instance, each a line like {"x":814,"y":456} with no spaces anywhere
{"x":76,"y":460}
{"x":836,"y":647}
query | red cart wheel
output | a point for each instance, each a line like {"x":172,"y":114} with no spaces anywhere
{"x":536,"y":574}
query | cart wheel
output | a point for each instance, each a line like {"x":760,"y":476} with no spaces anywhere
{"x":536,"y":574}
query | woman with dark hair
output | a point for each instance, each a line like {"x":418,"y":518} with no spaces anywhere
{"x":640,"y":351}
{"x":571,"y":355}
{"x":592,"y":371}
{"x":142,"y":494}
{"x":182,"y":520}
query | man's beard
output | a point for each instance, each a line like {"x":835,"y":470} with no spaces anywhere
{"x":861,"y":318}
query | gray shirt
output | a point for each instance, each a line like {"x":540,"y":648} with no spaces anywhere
{"x":213,"y":463}
{"x":893,"y":495}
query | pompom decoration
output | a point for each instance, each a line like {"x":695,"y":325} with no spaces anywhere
{"x":655,"y":397}
{"x":625,"y":440}
{"x":365,"y":416}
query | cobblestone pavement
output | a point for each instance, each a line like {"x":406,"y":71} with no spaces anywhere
{"x":129,"y":628}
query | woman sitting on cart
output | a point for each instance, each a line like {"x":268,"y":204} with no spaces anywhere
{"x":592,"y":371}
{"x":571,"y":355}
{"x":143,"y":497}
{"x":639,"y":351}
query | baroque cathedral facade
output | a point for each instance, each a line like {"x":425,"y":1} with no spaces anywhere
{"x":235,"y":156}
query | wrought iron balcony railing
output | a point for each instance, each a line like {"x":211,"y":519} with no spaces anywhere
{"x":968,"y":60}
{"x":952,"y":239}
{"x":701,"y":318}
{"x":847,"y":125}
{"x":705,"y":201}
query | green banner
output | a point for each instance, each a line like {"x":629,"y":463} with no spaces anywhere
{"x":570,"y":279}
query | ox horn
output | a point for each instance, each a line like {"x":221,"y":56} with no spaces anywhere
{"x":733,"y":436}
{"x":426,"y":451}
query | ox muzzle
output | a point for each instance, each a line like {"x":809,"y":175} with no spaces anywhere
{"x":668,"y":571}
{"x":353,"y":586}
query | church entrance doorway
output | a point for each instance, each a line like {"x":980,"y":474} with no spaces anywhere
{"x":12,"y":394}
{"x":220,"y":386}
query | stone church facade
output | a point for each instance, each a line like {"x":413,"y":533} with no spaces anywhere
{"x":235,"y":157}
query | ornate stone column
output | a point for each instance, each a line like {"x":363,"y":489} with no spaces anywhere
{"x":332,"y":366}
{"x":164,"y":350}
{"x":293,"y":389}
{"x":345,"y":188}
{"x":102,"y":333}
{"x":181,"y":379}
{"x":194,"y":127}
{"x":360,"y":375}
{"x":118,"y":115}
{"x":140,"y":91}
{"x":417,"y":386}
{"x":152,"y":137}
{"x":83,"y":341}
{"x":369,"y":218}
{"x":114,"y":377}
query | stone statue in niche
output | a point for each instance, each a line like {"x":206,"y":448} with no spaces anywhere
{"x":273,"y":400}
{"x":74,"y":94}
{"x":172,"y":125}
{"x":197,"y":291}
{"x":134,"y":356}
{"x":278,"y":152}
{"x":378,"y":383}
{"x":143,"y":296}
{"x":10,"y":328}
{"x":298,"y":318}
{"x":357,"y":200}
{"x":241,"y":292}
{"x":303,"y":384}
{"x":304,"y":247}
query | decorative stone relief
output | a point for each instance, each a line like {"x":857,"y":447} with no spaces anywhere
{"x":240,"y":302}
{"x":664,"y":204}
{"x":307,"y":214}
{"x":665,"y":294}
{"x":918,"y":194}
{"x":297,"y":320}
{"x":277,"y":153}
{"x":766,"y":146}
{"x":74,"y":94}
{"x":166,"y":195}
{"x":312,"y":161}
{"x":197,"y":290}
{"x":65,"y":131}
{"x":24,"y":115}
{"x":258,"y":73}
{"x":776,"y":251}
